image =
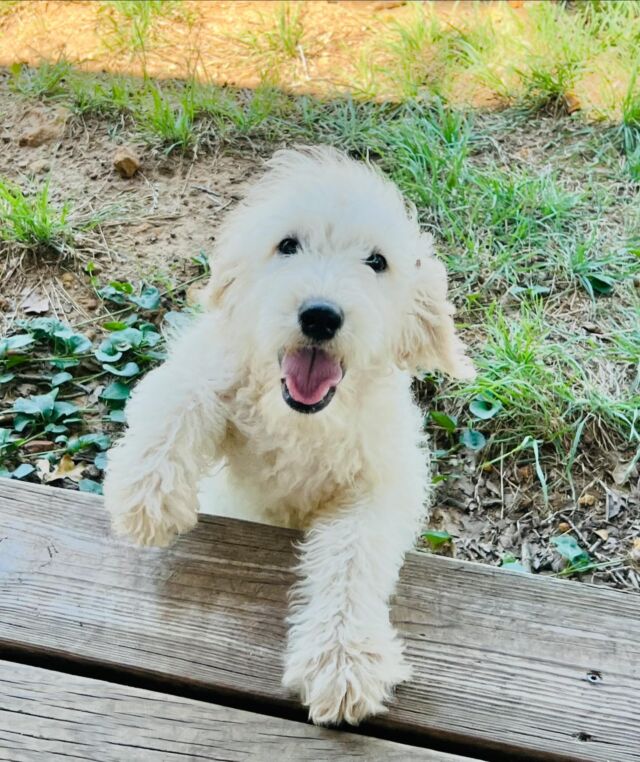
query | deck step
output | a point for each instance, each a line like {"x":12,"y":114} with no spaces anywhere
{"x":507,"y":665}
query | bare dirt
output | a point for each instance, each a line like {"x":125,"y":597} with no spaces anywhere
{"x":156,"y":221}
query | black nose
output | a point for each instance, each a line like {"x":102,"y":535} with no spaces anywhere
{"x":320,"y":321}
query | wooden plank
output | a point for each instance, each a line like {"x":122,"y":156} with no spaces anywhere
{"x":50,"y":716}
{"x":503,"y":662}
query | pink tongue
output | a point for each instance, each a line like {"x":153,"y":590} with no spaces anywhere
{"x":309,"y":374}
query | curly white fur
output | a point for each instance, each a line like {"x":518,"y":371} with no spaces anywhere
{"x":354,"y":476}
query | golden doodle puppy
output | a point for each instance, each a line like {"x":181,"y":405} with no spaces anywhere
{"x":293,"y":389}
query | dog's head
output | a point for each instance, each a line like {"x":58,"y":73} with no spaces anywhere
{"x":323,"y":271}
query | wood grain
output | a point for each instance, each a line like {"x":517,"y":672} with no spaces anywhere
{"x":503,"y":662}
{"x":49,"y":716}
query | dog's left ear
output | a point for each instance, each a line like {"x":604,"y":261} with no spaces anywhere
{"x":429,"y":340}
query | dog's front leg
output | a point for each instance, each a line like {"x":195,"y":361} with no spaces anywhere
{"x":343,"y":656}
{"x":176,"y":423}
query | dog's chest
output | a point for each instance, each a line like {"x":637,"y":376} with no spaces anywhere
{"x":293,"y":473}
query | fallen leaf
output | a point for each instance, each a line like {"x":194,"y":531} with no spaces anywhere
{"x":38,"y":445}
{"x":615,"y":503}
{"x":602,"y":534}
{"x":36,"y":304}
{"x":43,"y":467}
{"x":587,"y":499}
{"x":623,"y":471}
{"x":66,"y":469}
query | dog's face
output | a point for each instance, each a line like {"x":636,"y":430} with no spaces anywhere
{"x":323,"y":271}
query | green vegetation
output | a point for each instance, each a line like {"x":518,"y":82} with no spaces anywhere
{"x":278,"y":36}
{"x":30,"y":220}
{"x":33,"y":220}
{"x":131,"y":25}
{"x":45,"y":81}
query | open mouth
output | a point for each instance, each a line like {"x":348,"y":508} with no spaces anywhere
{"x":309,"y":379}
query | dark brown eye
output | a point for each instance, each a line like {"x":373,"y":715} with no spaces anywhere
{"x":288,"y":246}
{"x":376,"y":262}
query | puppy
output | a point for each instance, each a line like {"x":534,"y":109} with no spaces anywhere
{"x":324,"y":299}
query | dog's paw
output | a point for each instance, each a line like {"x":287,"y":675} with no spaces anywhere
{"x":139,"y":526}
{"x":146,"y":515}
{"x":347,"y":683}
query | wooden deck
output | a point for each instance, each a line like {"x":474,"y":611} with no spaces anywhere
{"x":113,"y":653}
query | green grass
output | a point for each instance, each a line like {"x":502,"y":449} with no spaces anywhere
{"x":279,"y":36}
{"x":420,"y":53}
{"x":130,"y":25}
{"x":45,"y":81}
{"x":166,"y":120}
{"x":554,"y":387}
{"x":32,"y":220}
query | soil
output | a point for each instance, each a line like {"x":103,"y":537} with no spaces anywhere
{"x":211,"y":40}
{"x":157,"y":220}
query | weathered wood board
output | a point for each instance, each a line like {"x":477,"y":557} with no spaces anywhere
{"x":47,"y":716}
{"x":506,"y":663}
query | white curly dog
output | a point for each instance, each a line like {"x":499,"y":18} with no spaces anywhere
{"x":325,"y":298}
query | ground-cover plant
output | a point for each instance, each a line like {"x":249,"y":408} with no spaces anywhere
{"x":62,"y":430}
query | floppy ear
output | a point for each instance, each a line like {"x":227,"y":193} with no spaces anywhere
{"x":227,"y":262}
{"x":223,"y":275}
{"x":429,"y":341}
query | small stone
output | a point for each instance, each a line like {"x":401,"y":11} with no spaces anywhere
{"x":67,"y":279}
{"x":563,"y":527}
{"x":39,"y":128}
{"x":126,"y":161}
{"x":572,"y":102}
{"x":524,"y":473}
{"x":39,"y":166}
{"x":587,"y":499}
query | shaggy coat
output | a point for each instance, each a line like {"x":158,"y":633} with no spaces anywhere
{"x":251,"y":417}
